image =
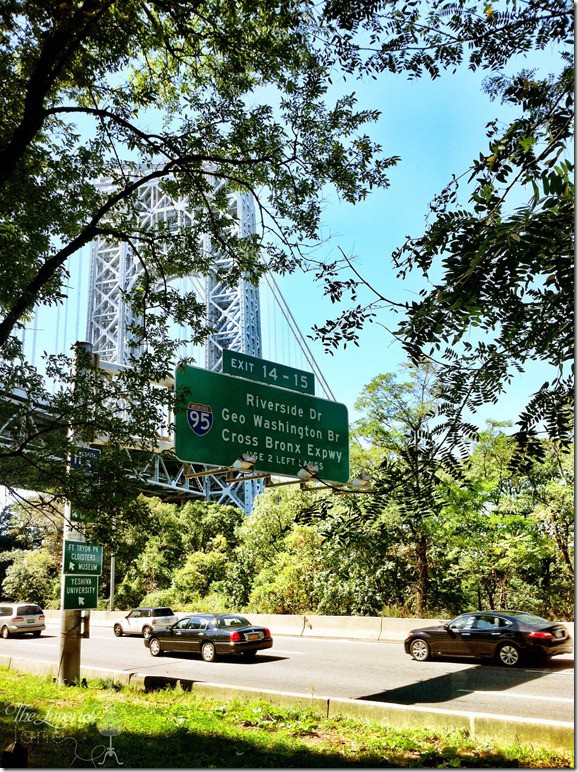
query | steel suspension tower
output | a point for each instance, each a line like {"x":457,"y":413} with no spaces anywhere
{"x":233,"y":312}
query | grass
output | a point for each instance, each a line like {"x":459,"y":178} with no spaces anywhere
{"x":70,"y":726}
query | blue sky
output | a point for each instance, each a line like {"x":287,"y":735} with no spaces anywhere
{"x":437,"y":128}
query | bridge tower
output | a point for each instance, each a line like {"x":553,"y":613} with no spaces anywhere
{"x":233,"y":312}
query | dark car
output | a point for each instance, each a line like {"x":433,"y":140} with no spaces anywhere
{"x":506,"y":636}
{"x":210,"y":635}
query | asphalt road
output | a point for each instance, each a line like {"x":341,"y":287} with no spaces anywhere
{"x":341,"y":668}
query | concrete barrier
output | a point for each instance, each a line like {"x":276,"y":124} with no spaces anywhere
{"x":363,"y":628}
{"x":395,"y":629}
{"x":279,"y":624}
{"x":384,"y":629}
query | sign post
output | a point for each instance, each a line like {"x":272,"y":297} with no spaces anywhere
{"x":71,"y":615}
{"x":226,"y":418}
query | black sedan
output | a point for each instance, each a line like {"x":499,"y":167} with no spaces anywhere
{"x":210,"y":635}
{"x":506,"y":636}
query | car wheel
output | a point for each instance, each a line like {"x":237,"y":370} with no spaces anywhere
{"x":117,"y":630}
{"x":208,"y":652}
{"x":146,"y":631}
{"x":508,"y":655}
{"x":36,"y":634}
{"x":155,"y":647}
{"x":419,"y":650}
{"x":5,"y":632}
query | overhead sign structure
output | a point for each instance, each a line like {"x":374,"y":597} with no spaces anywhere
{"x":80,"y":592}
{"x":82,"y":559}
{"x":227,"y":418}
{"x":255,"y":369}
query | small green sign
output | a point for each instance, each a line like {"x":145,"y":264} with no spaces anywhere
{"x":79,"y":592}
{"x":226,"y":418}
{"x":82,"y":558}
{"x":254,"y":369}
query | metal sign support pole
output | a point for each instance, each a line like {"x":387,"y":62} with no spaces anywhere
{"x":70,"y":621}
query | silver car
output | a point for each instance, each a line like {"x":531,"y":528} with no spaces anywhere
{"x":18,"y":618}
{"x":144,"y":621}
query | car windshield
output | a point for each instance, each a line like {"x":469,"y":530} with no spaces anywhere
{"x":232,"y":621}
{"x":162,"y":612}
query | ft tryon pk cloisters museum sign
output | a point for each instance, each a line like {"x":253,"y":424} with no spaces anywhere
{"x":227,"y":417}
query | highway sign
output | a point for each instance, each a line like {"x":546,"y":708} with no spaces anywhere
{"x":226,"y":417}
{"x":80,"y":592}
{"x":85,"y":458}
{"x":82,"y":558}
{"x":254,"y":369}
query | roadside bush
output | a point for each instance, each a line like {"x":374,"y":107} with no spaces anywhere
{"x":160,"y":598}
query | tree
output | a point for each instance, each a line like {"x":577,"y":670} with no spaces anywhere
{"x":509,"y":531}
{"x":183,"y":545}
{"x":418,"y":455}
{"x":207,"y":97}
{"x":503,"y":261}
{"x":32,"y":576}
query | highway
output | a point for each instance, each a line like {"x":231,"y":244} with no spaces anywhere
{"x":341,"y":668}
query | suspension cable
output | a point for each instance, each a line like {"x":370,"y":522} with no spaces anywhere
{"x":298,"y":335}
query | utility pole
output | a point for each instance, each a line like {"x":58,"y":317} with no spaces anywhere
{"x":70,"y":620}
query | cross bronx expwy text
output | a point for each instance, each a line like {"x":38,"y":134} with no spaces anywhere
{"x":284,"y":427}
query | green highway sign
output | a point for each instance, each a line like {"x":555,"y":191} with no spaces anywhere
{"x":254,"y":369}
{"x":226,"y":417}
{"x":79,"y":592}
{"x":82,"y":558}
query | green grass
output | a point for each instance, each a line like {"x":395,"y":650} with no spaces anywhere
{"x":176,"y":729}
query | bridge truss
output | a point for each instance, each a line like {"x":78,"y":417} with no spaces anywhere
{"x":233,"y":312}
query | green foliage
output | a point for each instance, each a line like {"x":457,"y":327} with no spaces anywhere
{"x":31,"y":577}
{"x":195,"y":578}
{"x":184,"y":555}
{"x":289,"y":585}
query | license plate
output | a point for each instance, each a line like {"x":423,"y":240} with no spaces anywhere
{"x":254,"y":636}
{"x":30,"y":621}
